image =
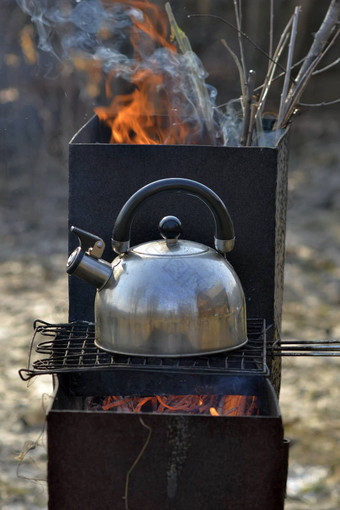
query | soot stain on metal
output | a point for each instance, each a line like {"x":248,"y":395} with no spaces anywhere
{"x":179,"y":441}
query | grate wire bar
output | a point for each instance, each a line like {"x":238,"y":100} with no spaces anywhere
{"x":70,"y":348}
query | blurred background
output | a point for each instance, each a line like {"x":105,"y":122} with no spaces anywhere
{"x":43,"y":102}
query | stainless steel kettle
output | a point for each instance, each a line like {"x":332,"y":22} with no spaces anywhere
{"x":168,"y":297}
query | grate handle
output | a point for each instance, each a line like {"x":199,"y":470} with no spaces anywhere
{"x":287,"y":348}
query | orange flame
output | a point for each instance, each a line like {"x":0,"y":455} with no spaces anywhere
{"x":225,"y":405}
{"x":144,"y":116}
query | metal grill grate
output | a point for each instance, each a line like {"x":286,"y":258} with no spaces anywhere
{"x":70,"y":348}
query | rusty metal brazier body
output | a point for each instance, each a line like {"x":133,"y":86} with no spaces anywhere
{"x":169,"y":297}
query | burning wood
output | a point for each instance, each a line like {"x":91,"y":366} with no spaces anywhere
{"x":214,"y":405}
{"x":167,"y":100}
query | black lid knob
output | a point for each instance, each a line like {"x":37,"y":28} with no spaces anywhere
{"x":170,"y":227}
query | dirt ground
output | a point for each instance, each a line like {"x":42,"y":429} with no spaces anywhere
{"x":33,"y":284}
{"x":311,"y":386}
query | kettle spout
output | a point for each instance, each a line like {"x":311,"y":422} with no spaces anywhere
{"x":84,"y":261}
{"x":94,"y":271}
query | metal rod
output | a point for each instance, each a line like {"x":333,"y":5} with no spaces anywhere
{"x":309,"y":342}
{"x":296,"y":348}
{"x":309,"y":348}
{"x":306,"y":353}
{"x":289,"y":348}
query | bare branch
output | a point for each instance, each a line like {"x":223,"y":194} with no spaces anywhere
{"x":238,"y":16}
{"x":327,"y":103}
{"x":239,"y":66}
{"x":271,"y":34}
{"x":278,"y":76}
{"x":244,"y":35}
{"x":320,"y":41}
{"x":228,"y":103}
{"x":290,"y":107}
{"x":247,"y":107}
{"x":269,"y":77}
{"x":271,"y":28}
{"x":326,"y":68}
{"x":289,"y":65}
{"x":318,"y":71}
{"x":253,"y":110}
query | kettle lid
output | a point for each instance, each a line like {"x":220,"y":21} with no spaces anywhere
{"x":170,"y":229}
{"x":164,"y":248}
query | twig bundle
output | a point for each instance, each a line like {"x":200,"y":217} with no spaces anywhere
{"x":292,"y":89}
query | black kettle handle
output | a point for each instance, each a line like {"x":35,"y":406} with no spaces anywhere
{"x":224,"y":230}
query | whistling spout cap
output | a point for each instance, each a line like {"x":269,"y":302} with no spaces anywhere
{"x":94,"y":271}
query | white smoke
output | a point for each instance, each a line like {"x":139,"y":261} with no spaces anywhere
{"x":65,"y":27}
